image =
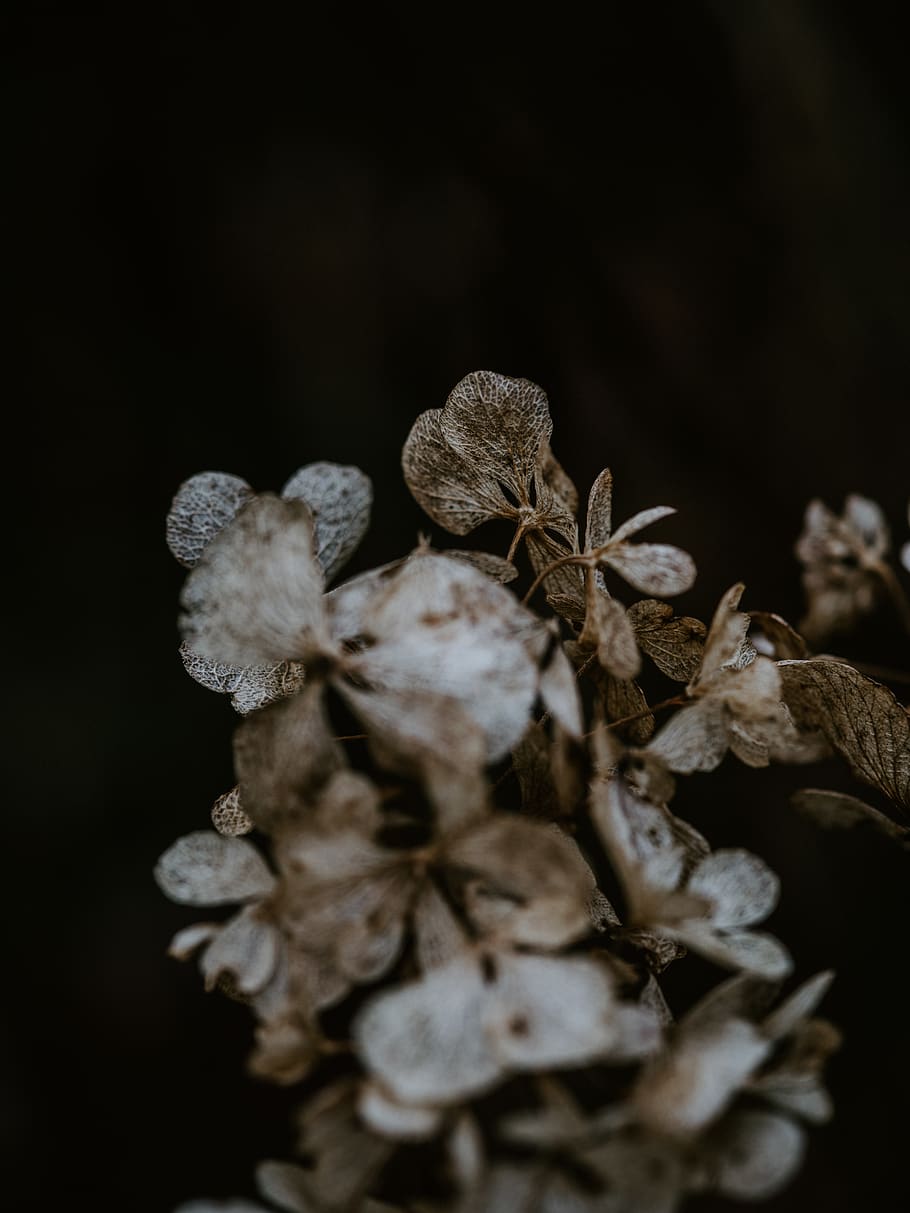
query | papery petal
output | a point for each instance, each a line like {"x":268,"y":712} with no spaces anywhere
{"x":256,"y":595}
{"x":247,"y":948}
{"x":695,"y":739}
{"x":340,"y":498}
{"x":752,"y":951}
{"x":250,"y":687}
{"x":600,"y":511}
{"x":204,"y":869}
{"x":754,"y":1154}
{"x":652,"y":568}
{"x":202,"y":507}
{"x":426,"y":1041}
{"x":387,"y":1116}
{"x":639,"y":521}
{"x":741,"y":887}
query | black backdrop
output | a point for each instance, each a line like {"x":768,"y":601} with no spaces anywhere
{"x":250,"y":242}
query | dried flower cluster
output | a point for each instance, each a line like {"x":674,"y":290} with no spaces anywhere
{"x":463,"y":880}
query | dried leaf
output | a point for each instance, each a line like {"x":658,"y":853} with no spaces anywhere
{"x":674,"y":643}
{"x":204,"y":869}
{"x":860,"y":718}
{"x":624,"y":698}
{"x":777,"y":638}
{"x":837,"y":811}
{"x":202,"y":507}
{"x":494,"y":567}
{"x":340,"y":498}
{"x":255,"y":597}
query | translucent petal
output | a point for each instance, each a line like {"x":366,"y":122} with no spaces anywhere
{"x":285,"y":1185}
{"x":451,"y":489}
{"x":726,"y":635}
{"x":204,"y":869}
{"x":499,"y":425}
{"x":202,"y":507}
{"x":228,"y":816}
{"x":799,"y":1006}
{"x":340,"y":498}
{"x":250,"y":687}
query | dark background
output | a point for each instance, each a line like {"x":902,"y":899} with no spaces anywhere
{"x":246,"y":244}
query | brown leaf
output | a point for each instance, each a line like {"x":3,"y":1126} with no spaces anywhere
{"x":860,"y":718}
{"x":837,"y":811}
{"x":674,"y":643}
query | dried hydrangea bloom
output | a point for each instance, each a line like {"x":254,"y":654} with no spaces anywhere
{"x":735,"y":701}
{"x":676,"y":887}
{"x":842,"y":559}
{"x":206,"y":869}
{"x":728,"y":1047}
{"x":350,"y":897}
{"x":489,"y":1011}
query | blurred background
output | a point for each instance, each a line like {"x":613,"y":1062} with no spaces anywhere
{"x":246,"y":243}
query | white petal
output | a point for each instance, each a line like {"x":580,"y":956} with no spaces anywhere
{"x":752,"y":951}
{"x":726,"y":635}
{"x":559,"y":692}
{"x":388,"y":1117}
{"x":185,"y":942}
{"x":426,"y":1041}
{"x":799,"y":1006}
{"x":256,"y":596}
{"x":285,"y":1185}
{"x":755,"y":1154}
{"x":202,"y":507}
{"x":340,"y":498}
{"x":689,"y":1086}
{"x":551,"y":1011}
{"x":247,"y":948}
{"x":204,"y":869}
{"x":740,"y":886}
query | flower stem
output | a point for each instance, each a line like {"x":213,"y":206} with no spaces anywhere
{"x":572,"y":558}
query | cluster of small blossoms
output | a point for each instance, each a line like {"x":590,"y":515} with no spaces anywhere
{"x":455,"y":876}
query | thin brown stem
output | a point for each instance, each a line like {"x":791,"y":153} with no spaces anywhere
{"x":675,"y":702}
{"x":351,"y":737}
{"x":572,"y":558}
{"x":520,"y":532}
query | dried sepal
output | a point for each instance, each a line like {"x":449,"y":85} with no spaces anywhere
{"x":608,"y":630}
{"x":250,"y":687}
{"x":340,"y":498}
{"x":752,"y":1154}
{"x":255,"y":597}
{"x":839,"y":811}
{"x":202,"y":507}
{"x":860,"y":718}
{"x":204,"y":869}
{"x":228,"y":816}
{"x":674,"y":643}
{"x":283,"y":757}
{"x":497,"y":568}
